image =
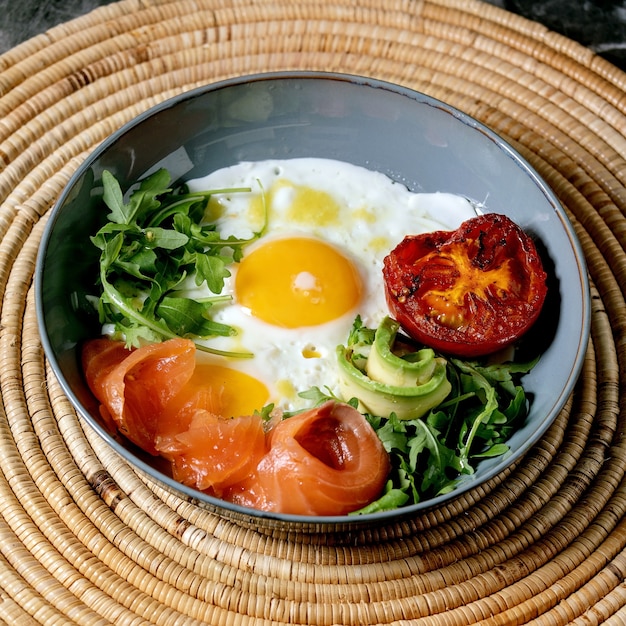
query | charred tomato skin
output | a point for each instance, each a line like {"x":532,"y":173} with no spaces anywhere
{"x":467,"y":292}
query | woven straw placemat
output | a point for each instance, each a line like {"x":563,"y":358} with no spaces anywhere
{"x":84,"y":540}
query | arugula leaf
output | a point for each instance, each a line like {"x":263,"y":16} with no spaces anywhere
{"x":393,"y":434}
{"x":114,"y":199}
{"x":391,"y":499}
{"x":190,"y":317}
{"x":166,"y":238}
{"x":316,"y":395}
{"x":150,"y":244}
{"x":136,"y":334}
{"x":212,"y":270}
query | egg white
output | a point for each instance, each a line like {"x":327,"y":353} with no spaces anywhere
{"x":369,"y":214}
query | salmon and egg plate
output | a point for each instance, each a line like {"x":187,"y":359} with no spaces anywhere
{"x":325,"y":228}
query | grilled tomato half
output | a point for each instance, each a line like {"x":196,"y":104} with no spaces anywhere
{"x":468,"y":292}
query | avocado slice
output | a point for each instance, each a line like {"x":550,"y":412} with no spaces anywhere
{"x":408,"y":384}
{"x":409,"y":370}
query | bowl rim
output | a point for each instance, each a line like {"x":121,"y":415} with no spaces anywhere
{"x":301,"y":521}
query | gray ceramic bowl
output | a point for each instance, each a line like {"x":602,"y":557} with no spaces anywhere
{"x":414,"y":139}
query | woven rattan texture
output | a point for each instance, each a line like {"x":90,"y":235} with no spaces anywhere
{"x":84,"y":540}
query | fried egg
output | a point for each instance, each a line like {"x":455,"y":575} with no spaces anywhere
{"x":326,"y":227}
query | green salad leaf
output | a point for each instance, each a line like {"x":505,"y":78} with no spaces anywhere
{"x":150,"y":244}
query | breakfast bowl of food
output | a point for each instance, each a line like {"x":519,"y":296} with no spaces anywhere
{"x":312,"y":300}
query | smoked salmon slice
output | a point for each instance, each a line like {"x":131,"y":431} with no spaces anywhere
{"x":324,"y":461}
{"x":99,"y":357}
{"x":216,"y":452}
{"x":208,"y":449}
{"x":135,"y":390}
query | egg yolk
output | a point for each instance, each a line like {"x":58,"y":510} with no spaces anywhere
{"x":297,"y":282}
{"x":229,"y":392}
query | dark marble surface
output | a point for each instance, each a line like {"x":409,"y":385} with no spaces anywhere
{"x":599,"y":24}
{"x":23,"y":19}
